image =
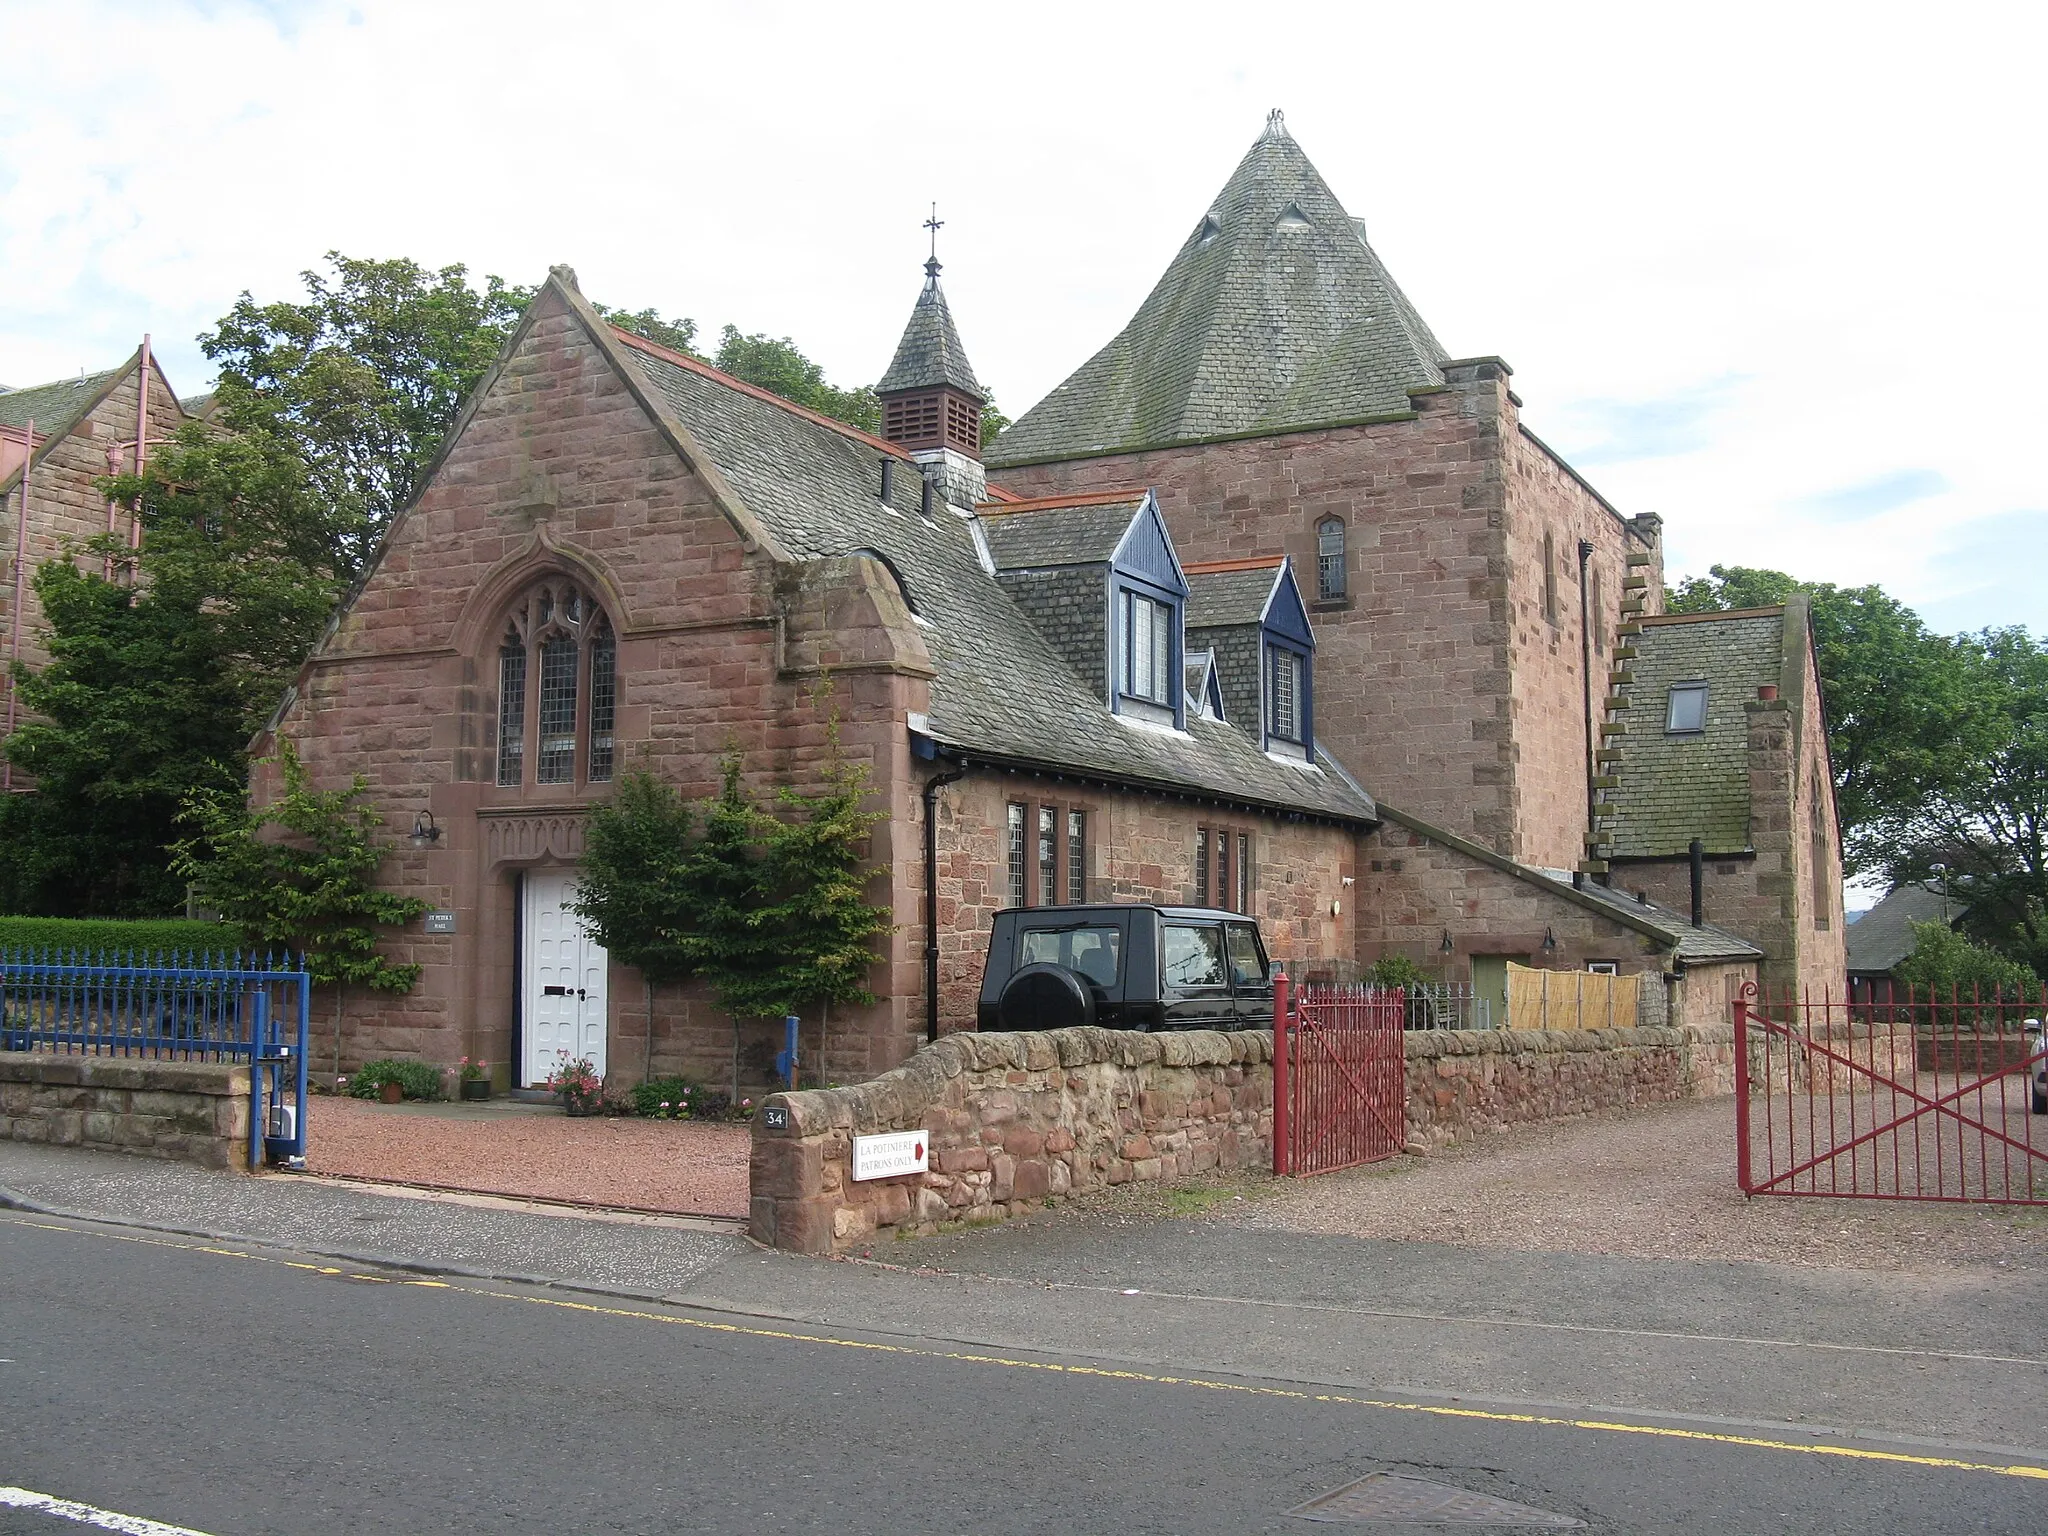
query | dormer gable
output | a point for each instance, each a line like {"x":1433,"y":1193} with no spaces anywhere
{"x":1250,"y":615}
{"x":1098,"y":576}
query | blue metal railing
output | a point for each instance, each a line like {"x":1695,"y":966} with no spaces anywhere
{"x":214,"y":1007}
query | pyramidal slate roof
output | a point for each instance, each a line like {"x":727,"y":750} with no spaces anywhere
{"x":1274,"y":315}
{"x":1002,"y":692}
{"x":930,"y":353}
{"x":1231,"y":591}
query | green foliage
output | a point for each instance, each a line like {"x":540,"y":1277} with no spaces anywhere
{"x":361,"y":379}
{"x":993,"y":423}
{"x":417,"y":1079}
{"x":1394,"y":969}
{"x":777,"y":366}
{"x":1945,"y":965}
{"x":677,"y":335}
{"x":665,"y":1098}
{"x":633,"y":887}
{"x":309,"y":889}
{"x":116,"y":936}
{"x":1903,"y":704}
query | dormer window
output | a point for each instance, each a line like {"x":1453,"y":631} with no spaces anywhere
{"x":1283,"y":714}
{"x":1146,"y":661}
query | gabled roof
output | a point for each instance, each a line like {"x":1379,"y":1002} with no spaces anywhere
{"x":1003,"y":694}
{"x":1274,"y":315}
{"x":1199,"y":681}
{"x":930,"y":353}
{"x":56,"y":408}
{"x":1084,"y":530}
{"x":1883,"y":936}
{"x":1673,"y":788}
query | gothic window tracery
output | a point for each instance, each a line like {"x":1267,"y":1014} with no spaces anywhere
{"x":557,"y":688}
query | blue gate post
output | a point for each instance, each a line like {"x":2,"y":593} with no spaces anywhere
{"x":785,"y":1059}
{"x":259,"y":1031}
{"x":305,"y":982}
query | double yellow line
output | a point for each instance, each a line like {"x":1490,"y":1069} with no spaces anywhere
{"x":1103,"y":1373}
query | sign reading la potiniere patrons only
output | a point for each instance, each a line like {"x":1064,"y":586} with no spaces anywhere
{"x":885,"y":1156}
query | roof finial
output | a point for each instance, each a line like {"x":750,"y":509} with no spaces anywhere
{"x":1276,"y":125}
{"x":934,"y":224}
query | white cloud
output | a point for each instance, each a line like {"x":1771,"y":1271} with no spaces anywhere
{"x":1743,"y":258}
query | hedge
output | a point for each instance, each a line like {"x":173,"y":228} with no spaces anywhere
{"x":109,"y":937}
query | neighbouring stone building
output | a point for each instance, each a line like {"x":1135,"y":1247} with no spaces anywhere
{"x":56,"y":442}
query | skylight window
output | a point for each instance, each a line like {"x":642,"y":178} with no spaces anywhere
{"x":1687,"y":715}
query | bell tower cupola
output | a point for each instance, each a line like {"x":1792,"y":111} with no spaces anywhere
{"x":931,"y":401}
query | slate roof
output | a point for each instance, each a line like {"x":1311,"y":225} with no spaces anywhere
{"x":1704,"y":945}
{"x":1675,"y":788}
{"x":1002,"y":692}
{"x":1883,"y":936}
{"x":1029,"y":534}
{"x":930,"y":353}
{"x":1230,"y":592}
{"x":1275,"y":314}
{"x":55,"y":407}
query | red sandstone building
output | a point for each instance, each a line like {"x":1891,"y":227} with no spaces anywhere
{"x":1272,"y":606}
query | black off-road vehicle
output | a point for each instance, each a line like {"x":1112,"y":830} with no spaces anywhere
{"x":1125,"y":967}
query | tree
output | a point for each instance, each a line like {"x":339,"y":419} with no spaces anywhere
{"x":298,"y":874}
{"x":362,"y":379}
{"x":1985,"y":819}
{"x":159,"y":672}
{"x":633,"y":886}
{"x":1944,"y":966}
{"x":677,"y":335}
{"x":777,"y":366}
{"x":1904,"y":707}
{"x":718,"y":930}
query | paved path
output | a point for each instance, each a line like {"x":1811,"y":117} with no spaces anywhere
{"x":536,"y":1152}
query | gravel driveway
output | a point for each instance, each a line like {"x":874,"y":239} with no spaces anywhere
{"x":1651,"y":1183}
{"x":535,"y":1151}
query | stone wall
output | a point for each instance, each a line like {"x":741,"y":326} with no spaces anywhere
{"x":1013,"y":1119}
{"x":194,"y":1112}
{"x":1016,"y":1119}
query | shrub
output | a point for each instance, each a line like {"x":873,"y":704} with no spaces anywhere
{"x":111,"y":937}
{"x":416,"y":1079}
{"x":665,"y":1098}
{"x":1394,"y":969}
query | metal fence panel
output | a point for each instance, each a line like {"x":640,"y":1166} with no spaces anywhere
{"x":1340,"y":1076}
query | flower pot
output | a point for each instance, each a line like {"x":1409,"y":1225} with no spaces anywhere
{"x":391,"y":1093}
{"x":477,"y":1088}
{"x":578,"y":1106}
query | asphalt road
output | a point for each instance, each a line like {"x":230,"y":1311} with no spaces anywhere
{"x":237,"y":1390}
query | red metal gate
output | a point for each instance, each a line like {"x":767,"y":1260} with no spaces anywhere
{"x":1916,"y":1098}
{"x":1340,"y":1076}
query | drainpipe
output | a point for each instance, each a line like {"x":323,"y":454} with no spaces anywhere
{"x":28,"y":462}
{"x":1586,"y":688}
{"x":932,"y":786}
{"x":141,"y":439}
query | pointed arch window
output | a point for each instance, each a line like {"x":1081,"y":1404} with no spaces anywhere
{"x":1330,"y":559}
{"x":558,"y":688}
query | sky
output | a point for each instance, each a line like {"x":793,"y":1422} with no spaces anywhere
{"x":1773,"y":271}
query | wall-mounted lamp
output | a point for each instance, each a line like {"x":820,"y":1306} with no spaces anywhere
{"x":1447,"y":946}
{"x":1549,"y":942}
{"x":424,"y":833}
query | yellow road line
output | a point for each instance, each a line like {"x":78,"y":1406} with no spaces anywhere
{"x":1103,"y":1373}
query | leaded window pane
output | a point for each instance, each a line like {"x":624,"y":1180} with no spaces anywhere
{"x":1148,"y":648}
{"x":604,"y":702}
{"x":1016,"y":854}
{"x":1077,"y":856}
{"x":1285,"y":714}
{"x":1222,"y":868}
{"x":1048,"y":853}
{"x":1330,"y":558}
{"x":511,"y":713}
{"x":557,"y":710}
{"x":1202,"y":867}
{"x":1244,"y":881}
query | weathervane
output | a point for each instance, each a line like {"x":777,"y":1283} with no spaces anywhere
{"x":934,"y":224}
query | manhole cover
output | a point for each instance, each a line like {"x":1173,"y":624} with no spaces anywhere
{"x":1390,"y":1497}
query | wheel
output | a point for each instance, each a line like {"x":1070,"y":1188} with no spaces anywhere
{"x":1046,"y":996}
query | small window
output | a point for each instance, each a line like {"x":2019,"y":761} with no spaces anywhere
{"x":604,"y":703}
{"x":1244,"y":879}
{"x":1048,"y":856}
{"x":512,"y":711}
{"x":1604,"y":967}
{"x":1222,"y":868}
{"x":1077,"y":857}
{"x":1330,"y":559}
{"x":1201,"y":866}
{"x":1283,"y":696}
{"x":1193,"y":956}
{"x":1147,"y":653}
{"x":1091,"y":951}
{"x":1549,"y":578}
{"x":1016,"y":854}
{"x":1688,"y":710}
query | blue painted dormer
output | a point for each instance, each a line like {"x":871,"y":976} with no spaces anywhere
{"x":1250,"y":615}
{"x":1148,"y":604}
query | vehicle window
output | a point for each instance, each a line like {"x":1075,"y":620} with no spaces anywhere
{"x":1241,"y":943}
{"x":1194,"y":956}
{"x":1092,"y":952}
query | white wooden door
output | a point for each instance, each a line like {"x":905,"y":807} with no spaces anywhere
{"x":564,"y":984}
